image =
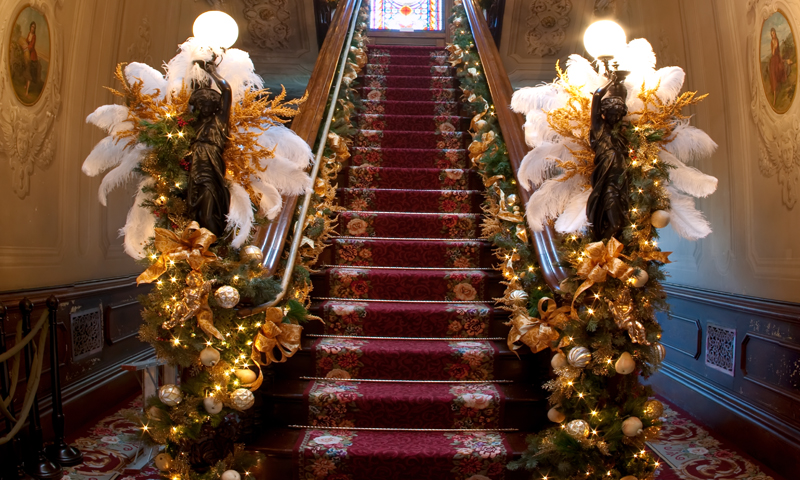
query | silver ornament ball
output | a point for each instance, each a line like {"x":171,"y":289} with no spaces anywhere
{"x":242,"y":398}
{"x":227,"y":296}
{"x":578,"y":428}
{"x":579,"y":357}
{"x":170,"y":395}
{"x":518,"y":298}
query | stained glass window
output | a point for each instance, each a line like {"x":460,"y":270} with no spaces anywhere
{"x":406,"y":15}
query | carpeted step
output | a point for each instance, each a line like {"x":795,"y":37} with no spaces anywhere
{"x":410,"y":253}
{"x":455,"y":360}
{"x":389,"y":404}
{"x":407,"y":50}
{"x":409,"y":70}
{"x":408,"y":81}
{"x":410,"y":225}
{"x":410,"y":107}
{"x":433,"y":201}
{"x":434,"y":58}
{"x":412,"y":178}
{"x":401,"y":139}
{"x":370,"y":455}
{"x":425,"y":123}
{"x":410,"y":94}
{"x":407,"y":284}
{"x":409,"y":158}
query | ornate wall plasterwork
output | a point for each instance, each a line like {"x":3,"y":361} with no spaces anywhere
{"x":603,"y":8}
{"x":548,"y":22}
{"x":26,"y":132}
{"x":268,"y":23}
{"x":779,"y":149}
{"x":139,"y":50}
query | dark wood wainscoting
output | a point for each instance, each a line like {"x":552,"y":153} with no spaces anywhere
{"x":97,"y":326}
{"x":734,"y":363}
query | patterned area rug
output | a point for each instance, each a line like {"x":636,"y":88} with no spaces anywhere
{"x":109,"y":447}
{"x":692,"y":453}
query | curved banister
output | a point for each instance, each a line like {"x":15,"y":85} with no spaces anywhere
{"x":511,"y":126}
{"x":272,"y":237}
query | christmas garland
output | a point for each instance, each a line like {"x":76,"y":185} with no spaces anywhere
{"x":602,"y":322}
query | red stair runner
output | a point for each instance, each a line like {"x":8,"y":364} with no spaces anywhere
{"x":407,"y":341}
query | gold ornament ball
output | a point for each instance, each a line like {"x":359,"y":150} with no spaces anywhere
{"x":625,"y":364}
{"x":251,"y":253}
{"x":209,"y":356}
{"x":245,"y":375}
{"x":632,"y":427}
{"x":579,"y":357}
{"x":231,"y":475}
{"x":457,"y":21}
{"x":578,"y":428}
{"x":242,"y":398}
{"x":629,"y":477}
{"x":639,"y":280}
{"x":227,"y":296}
{"x":170,"y":395}
{"x":659,"y":218}
{"x":653,"y":408}
{"x":212,"y":405}
{"x":555,"y":416}
{"x":162,"y":461}
{"x":660,"y":352}
{"x":559,"y":360}
{"x":511,"y":200}
{"x":518,"y":298}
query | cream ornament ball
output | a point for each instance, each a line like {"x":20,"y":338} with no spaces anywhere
{"x":625,"y":364}
{"x":629,"y":477}
{"x":209,"y":356}
{"x":579,"y":357}
{"x":212,"y":405}
{"x":559,"y":360}
{"x":242,"y":398}
{"x":518,"y":298}
{"x":170,"y":395}
{"x":639,"y":279}
{"x":632,"y":427}
{"x":659,"y":218}
{"x":227,"y":296}
{"x":231,"y":475}
{"x":245,"y":375}
{"x":163,"y":461}
{"x":555,"y":416}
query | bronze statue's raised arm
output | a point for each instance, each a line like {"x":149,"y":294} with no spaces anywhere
{"x":225,"y":90}
{"x":597,"y":98}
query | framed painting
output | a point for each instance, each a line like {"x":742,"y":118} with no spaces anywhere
{"x":29,"y":55}
{"x":778,"y":58}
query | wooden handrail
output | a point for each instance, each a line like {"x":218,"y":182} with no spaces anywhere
{"x":513,"y":134}
{"x":272,"y":237}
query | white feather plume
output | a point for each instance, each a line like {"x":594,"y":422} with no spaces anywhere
{"x":688,"y":179}
{"x":289,"y":145}
{"x":550,"y":200}
{"x":686,"y":220}
{"x":671,"y":82}
{"x":690,"y":143}
{"x":538,"y":164}
{"x":537,"y":130}
{"x":580,"y":72}
{"x":106,"y":154}
{"x":271,"y":201}
{"x":240,"y":216}
{"x":140,"y":226}
{"x":637,"y":55}
{"x":528,"y":99}
{"x":238,"y":70}
{"x":129,"y":160}
{"x":285,"y":176}
{"x":108,"y":116}
{"x":152,"y":80}
{"x":574,"y":217}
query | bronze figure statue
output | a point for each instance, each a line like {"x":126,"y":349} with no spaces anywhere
{"x":208,"y":199}
{"x":607,"y":206}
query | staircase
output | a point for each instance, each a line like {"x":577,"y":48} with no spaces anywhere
{"x":407,"y":304}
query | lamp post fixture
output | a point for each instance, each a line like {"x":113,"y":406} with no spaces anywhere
{"x":604,"y":40}
{"x":216,"y":29}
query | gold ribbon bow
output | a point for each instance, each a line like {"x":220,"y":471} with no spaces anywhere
{"x":456,"y":54}
{"x":192,"y":246}
{"x":538,"y":333}
{"x":478,"y":148}
{"x":273,"y":333}
{"x":339,"y":147}
{"x":601,"y":260}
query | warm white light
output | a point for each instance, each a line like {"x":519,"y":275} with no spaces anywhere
{"x":216,"y":29}
{"x":604,"y":39}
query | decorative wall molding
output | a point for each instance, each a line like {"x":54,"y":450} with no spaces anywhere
{"x":548,"y":22}
{"x":27,"y":135}
{"x":139,"y":49}
{"x":268,"y":23}
{"x":779,"y":150}
{"x":605,"y":8}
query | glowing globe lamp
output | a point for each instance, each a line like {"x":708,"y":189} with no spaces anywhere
{"x":604,"y":39}
{"x":216,"y":29}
